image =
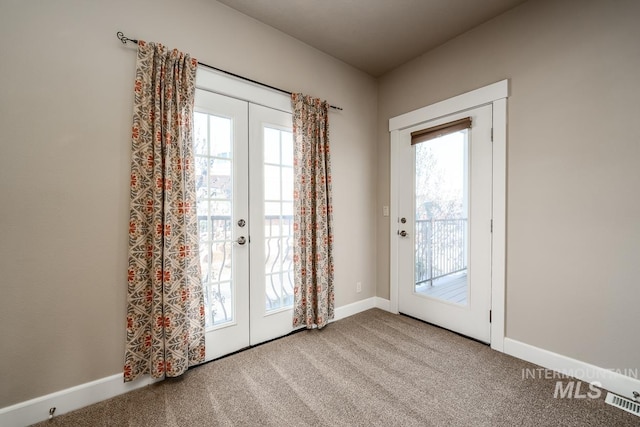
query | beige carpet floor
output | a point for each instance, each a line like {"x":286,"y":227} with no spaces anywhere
{"x":371,"y":369}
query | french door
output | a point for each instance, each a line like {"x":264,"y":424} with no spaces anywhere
{"x":244,"y":183}
{"x":444,"y":223}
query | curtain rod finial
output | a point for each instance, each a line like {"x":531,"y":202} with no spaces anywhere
{"x":124,"y":39}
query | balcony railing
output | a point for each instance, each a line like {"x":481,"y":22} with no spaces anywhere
{"x":216,"y":238}
{"x":215,"y":261}
{"x":440,"y":248}
{"x":278,"y":261}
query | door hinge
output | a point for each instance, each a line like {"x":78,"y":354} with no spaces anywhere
{"x":489,"y":316}
{"x":491,"y":226}
{"x":491,"y":134}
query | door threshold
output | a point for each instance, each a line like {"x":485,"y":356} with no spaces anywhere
{"x":251,"y":346}
{"x":442,"y":327}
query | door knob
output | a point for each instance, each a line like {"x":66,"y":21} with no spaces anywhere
{"x":402,"y":233}
{"x":241,"y":240}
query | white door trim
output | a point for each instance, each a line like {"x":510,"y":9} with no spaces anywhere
{"x":223,"y":84}
{"x":496,"y":95}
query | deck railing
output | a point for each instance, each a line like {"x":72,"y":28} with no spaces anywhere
{"x":440,"y":248}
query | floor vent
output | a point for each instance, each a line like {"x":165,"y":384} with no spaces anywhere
{"x":624,"y":404}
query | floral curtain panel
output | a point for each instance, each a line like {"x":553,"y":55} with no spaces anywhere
{"x":165,"y":307}
{"x":313,"y":212}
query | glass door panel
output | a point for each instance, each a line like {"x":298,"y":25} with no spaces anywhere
{"x":221,"y":145}
{"x":271,"y":166}
{"x":278,"y":217}
{"x":214,"y":164}
{"x":441,"y":217}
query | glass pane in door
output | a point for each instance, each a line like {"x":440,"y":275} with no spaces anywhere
{"x":278,"y":218}
{"x":441,"y":217}
{"x":214,"y":184}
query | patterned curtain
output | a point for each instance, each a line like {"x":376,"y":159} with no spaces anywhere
{"x":313,"y":211}
{"x":165,"y":307}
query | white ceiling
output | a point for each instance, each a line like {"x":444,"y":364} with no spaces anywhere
{"x":374,"y":36}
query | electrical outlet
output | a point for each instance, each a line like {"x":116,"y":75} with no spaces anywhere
{"x":358,"y":286}
{"x":385,"y":211}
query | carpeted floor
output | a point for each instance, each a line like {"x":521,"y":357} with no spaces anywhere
{"x":371,"y":369}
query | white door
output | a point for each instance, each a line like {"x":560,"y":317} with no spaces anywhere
{"x":236,"y":167}
{"x":444,"y":225}
{"x":271,"y":184}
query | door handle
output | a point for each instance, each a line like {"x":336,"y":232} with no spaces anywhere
{"x":241,"y":240}
{"x":402,"y":233}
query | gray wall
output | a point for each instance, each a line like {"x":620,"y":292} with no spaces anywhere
{"x":573,"y":211}
{"x":65,"y":113}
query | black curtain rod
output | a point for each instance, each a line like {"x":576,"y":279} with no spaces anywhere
{"x":124,"y":39}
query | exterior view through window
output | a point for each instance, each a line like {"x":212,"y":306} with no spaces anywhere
{"x":214,"y":159}
{"x":278,"y":218}
{"x":441,"y":217}
{"x":214,"y":172}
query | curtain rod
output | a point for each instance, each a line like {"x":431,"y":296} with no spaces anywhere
{"x":124,"y":39}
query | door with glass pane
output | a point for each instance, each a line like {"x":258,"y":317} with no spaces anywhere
{"x":220,"y":151}
{"x":444,"y":228}
{"x":271,"y":183}
{"x":244,"y":185}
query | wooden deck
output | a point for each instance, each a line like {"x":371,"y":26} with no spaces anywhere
{"x":452,"y":289}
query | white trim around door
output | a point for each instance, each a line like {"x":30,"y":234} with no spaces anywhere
{"x":494,"y":94}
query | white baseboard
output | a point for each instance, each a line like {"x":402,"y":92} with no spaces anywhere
{"x":383,"y":304}
{"x":36,"y":410}
{"x":359,"y":306}
{"x":353,"y":308}
{"x":617,"y":381}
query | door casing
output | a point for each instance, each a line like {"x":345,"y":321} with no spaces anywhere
{"x":495,"y":94}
